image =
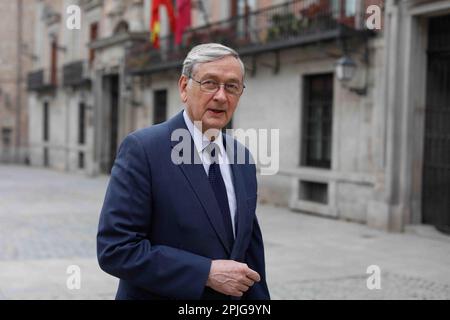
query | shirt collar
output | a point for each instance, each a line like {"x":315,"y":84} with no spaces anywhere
{"x":200,"y":140}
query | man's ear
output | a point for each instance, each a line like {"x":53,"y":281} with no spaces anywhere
{"x":182,"y":88}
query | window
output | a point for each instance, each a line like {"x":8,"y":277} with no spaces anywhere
{"x":45,"y":122}
{"x":6,"y":136}
{"x":241,"y":7}
{"x":313,"y":191}
{"x":46,"y":158}
{"x":317,"y":121}
{"x":344,"y":8}
{"x":81,"y":123}
{"x":160,"y":106}
{"x":93,"y":34}
{"x":54,"y":63}
{"x":350,"y":8}
{"x":81,"y":160}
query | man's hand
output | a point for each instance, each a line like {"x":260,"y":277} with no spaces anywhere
{"x":231,"y":278}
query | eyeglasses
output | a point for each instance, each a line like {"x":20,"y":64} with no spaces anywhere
{"x":211,"y":86}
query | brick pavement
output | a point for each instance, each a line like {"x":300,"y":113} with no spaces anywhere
{"x":48,"y":221}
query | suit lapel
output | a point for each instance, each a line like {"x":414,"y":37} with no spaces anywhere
{"x":196,"y":175}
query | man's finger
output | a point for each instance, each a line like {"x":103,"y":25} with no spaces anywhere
{"x":237,"y":293}
{"x":253,"y":275}
{"x":248,"y":282}
{"x":242,"y":287}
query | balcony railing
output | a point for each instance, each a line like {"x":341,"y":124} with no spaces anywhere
{"x":76,"y":74}
{"x":291,"y":24}
{"x":42,"y":80}
{"x":35,"y":79}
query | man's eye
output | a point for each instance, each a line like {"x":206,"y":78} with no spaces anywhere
{"x":209,"y":83}
{"x":232,"y":86}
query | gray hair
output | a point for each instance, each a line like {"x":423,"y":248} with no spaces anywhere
{"x":206,"y":53}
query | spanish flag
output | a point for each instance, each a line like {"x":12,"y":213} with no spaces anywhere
{"x":155,"y":24}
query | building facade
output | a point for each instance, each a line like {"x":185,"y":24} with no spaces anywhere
{"x":16,"y":58}
{"x":362,"y":150}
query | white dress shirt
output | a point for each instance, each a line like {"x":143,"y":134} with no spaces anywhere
{"x":201,"y":142}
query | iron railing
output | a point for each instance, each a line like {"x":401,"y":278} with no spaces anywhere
{"x":42,"y":79}
{"x":35,"y":79}
{"x":290,"y":24}
{"x":76,"y":73}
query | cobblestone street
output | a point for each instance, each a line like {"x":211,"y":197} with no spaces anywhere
{"x":48,"y":221}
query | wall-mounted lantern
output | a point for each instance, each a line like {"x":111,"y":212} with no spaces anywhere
{"x":345,"y":69}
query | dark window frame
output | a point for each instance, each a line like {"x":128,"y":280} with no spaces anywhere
{"x":7,"y":133}
{"x":81,"y":160}
{"x":46,"y":122}
{"x":160,"y":106}
{"x":81,"y":123}
{"x":316,"y":153}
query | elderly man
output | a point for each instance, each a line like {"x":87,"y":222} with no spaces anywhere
{"x":186,"y":230}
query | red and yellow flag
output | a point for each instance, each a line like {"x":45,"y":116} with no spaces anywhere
{"x":155,"y":24}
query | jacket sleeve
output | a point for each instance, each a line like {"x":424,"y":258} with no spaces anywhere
{"x":123,"y":246}
{"x":254,"y":257}
{"x":255,"y":260}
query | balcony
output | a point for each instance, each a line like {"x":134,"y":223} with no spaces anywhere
{"x":76,"y":74}
{"x":292,"y":24}
{"x":42,"y":80}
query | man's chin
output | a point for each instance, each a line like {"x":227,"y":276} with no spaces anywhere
{"x":214,"y":125}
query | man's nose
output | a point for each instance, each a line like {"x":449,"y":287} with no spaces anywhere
{"x":221,"y":94}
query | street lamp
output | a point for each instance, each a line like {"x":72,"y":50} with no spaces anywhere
{"x":345,"y":69}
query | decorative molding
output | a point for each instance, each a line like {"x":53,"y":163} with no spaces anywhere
{"x":429,"y":8}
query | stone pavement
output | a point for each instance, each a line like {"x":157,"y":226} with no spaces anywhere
{"x":48,"y":221}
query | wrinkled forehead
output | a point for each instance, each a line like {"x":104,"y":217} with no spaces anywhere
{"x":227,"y":67}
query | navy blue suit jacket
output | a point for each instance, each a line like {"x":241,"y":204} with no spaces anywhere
{"x":160,"y":225}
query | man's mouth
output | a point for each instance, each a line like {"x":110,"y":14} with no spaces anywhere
{"x":216,"y":111}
